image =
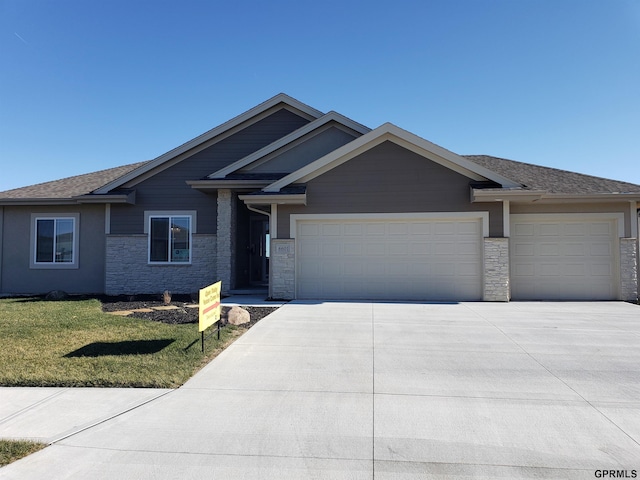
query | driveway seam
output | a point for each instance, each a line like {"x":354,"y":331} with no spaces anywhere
{"x":84,"y":428}
{"x":33,"y":405}
{"x":373,"y":392}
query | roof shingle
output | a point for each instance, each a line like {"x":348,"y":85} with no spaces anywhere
{"x":71,"y":186}
{"x":552,"y":180}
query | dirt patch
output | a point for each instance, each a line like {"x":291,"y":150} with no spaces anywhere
{"x":184,"y":311}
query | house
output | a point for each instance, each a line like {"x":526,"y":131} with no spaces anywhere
{"x":314,"y":205}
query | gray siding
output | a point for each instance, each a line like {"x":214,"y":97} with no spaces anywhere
{"x":18,"y":277}
{"x":306,"y":152}
{"x":389,"y":179}
{"x":167,"y":189}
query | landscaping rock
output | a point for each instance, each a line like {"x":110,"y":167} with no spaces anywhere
{"x":56,"y":295}
{"x":238,"y":316}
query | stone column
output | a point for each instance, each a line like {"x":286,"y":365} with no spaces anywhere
{"x":629,"y":269}
{"x":282,"y":285}
{"x":225,"y":258}
{"x":496,"y":270}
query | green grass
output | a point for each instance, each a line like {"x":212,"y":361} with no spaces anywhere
{"x":12,"y":450}
{"x":74,"y":344}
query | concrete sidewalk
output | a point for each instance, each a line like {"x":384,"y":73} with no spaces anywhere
{"x":381,"y":390}
{"x":50,"y":414}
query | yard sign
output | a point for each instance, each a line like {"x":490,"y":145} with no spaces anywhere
{"x":209,"y":306}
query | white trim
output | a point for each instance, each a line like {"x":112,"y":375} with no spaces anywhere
{"x":273,"y":228}
{"x":33,"y":249}
{"x":403,"y":138}
{"x":296,"y":217}
{"x":211,"y":134}
{"x":633,"y":215}
{"x":573,"y":217}
{"x":506,"y":221}
{"x":107,"y":218}
{"x":295,"y":135}
{"x":288,"y":199}
{"x":171,"y":213}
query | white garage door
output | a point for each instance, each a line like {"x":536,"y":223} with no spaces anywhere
{"x":392,"y":260}
{"x":563,"y":258}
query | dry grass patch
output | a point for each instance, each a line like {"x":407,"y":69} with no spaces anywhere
{"x":12,"y":450}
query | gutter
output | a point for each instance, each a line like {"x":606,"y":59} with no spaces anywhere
{"x":496,"y":195}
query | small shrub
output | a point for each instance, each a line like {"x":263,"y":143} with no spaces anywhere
{"x":166,"y":297}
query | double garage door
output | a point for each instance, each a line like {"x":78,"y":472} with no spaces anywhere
{"x":553,"y":257}
{"x":411,"y":259}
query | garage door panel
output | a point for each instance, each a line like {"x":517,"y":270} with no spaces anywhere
{"x":563,"y":259}
{"x":600,"y":249}
{"x":412,"y":260}
{"x":600,"y":229}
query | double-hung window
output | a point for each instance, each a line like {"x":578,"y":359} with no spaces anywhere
{"x":170,"y":238}
{"x":55,"y":241}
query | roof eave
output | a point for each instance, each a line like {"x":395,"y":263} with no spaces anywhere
{"x":590,"y":198}
{"x":284,"y":199}
{"x":480,"y":195}
{"x":37,"y":201}
{"x":216,"y":184}
{"x":542,"y":196}
{"x":129,"y":197}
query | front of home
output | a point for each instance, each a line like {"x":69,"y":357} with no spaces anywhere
{"x":314,"y":205}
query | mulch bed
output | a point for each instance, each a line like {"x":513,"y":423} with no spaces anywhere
{"x":181,"y":314}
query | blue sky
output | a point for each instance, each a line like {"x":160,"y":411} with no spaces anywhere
{"x":87,"y":85}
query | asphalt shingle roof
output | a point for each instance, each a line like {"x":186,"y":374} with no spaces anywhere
{"x":71,"y":186}
{"x":533,"y":177}
{"x":552,"y":180}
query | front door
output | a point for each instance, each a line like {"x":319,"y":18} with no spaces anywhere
{"x":259,"y":250}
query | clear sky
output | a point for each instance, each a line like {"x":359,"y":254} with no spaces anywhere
{"x":88,"y":85}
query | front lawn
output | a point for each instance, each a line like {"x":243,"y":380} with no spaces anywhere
{"x":72,"y":343}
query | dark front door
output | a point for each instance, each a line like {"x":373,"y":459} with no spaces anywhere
{"x":259,"y":250}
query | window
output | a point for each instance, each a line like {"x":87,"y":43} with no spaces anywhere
{"x":55,"y":240}
{"x":169,"y":239}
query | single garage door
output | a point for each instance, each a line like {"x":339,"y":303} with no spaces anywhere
{"x":389,"y":259}
{"x":563,"y":258}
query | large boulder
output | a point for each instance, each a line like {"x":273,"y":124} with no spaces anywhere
{"x":238,"y":316}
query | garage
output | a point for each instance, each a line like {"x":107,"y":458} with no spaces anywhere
{"x":389,"y":258}
{"x":564,"y":257}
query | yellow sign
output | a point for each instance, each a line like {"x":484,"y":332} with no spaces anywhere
{"x":209,"y":306}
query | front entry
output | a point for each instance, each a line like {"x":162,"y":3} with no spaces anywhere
{"x":259,"y":243}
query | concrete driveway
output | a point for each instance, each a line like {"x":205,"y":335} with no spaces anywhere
{"x":388,"y":391}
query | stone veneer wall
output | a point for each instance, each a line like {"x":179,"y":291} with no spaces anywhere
{"x":226,"y":239}
{"x":628,"y":269}
{"x":283,"y":269}
{"x":496,"y":270}
{"x":128,"y":272}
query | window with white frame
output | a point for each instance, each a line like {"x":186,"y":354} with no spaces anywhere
{"x":170,"y":238}
{"x":55,"y":241}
